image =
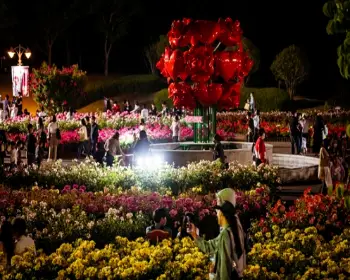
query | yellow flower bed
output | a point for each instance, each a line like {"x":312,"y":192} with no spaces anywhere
{"x":299,"y":254}
{"x":170,"y":259}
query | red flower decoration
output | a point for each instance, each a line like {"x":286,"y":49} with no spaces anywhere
{"x":179,"y":35}
{"x":181,"y":94}
{"x":200,"y":63}
{"x":207,"y":95}
{"x":231,"y":32}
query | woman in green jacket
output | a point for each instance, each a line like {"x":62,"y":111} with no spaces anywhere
{"x":228,"y":247}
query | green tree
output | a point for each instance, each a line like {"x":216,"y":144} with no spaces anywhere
{"x":290,"y":66}
{"x":338,"y":12}
{"x":154,"y":51}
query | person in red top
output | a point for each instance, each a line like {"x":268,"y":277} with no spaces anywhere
{"x":260,"y":149}
{"x":116,"y":108}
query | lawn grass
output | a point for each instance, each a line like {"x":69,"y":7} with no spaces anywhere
{"x":134,"y":87}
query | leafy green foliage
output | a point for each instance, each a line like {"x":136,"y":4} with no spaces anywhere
{"x":338,"y":13}
{"x":54,"y":88}
{"x":290,"y":66}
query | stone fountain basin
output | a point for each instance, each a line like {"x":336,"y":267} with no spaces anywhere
{"x":296,"y":168}
{"x":182,"y":153}
{"x":292,"y":168}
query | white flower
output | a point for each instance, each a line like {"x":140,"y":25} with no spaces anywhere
{"x":43,"y":204}
{"x":90,"y":224}
{"x":129,"y":215}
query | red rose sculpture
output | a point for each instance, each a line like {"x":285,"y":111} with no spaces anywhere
{"x":209,"y":76}
{"x":200,"y":63}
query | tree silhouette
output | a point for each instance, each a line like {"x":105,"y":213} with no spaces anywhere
{"x":290,"y":66}
{"x":338,"y":12}
{"x":114,"y":17}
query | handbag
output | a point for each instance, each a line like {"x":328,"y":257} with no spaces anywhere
{"x":58,"y":134}
{"x":234,"y":273}
{"x":247,"y":106}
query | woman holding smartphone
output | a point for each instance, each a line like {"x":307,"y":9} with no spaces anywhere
{"x":228,"y":247}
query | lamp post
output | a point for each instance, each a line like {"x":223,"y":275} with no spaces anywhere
{"x":19,"y":51}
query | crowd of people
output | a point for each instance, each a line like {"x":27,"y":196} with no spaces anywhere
{"x":142,"y":109}
{"x":11,"y":108}
{"x":227,"y":247}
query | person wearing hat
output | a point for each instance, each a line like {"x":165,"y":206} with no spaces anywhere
{"x":228,"y":247}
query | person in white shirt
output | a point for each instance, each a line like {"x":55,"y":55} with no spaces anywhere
{"x":53,"y":141}
{"x":144,"y":112}
{"x":23,"y":242}
{"x":252,"y":102}
{"x":70,"y":114}
{"x":83,"y":139}
{"x":14,"y":110}
{"x":113,"y":149}
{"x":256,"y":120}
{"x":42,"y":113}
{"x":175,"y":128}
{"x":137,"y":108}
{"x":142,"y":125}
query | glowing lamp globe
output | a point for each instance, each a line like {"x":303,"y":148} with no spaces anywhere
{"x":28,"y":53}
{"x":11,"y":53}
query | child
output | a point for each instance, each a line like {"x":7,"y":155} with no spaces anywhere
{"x":175,"y":127}
{"x":304,"y":145}
{"x":39,"y":153}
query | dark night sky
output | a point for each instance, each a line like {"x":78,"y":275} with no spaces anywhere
{"x":270,"y":25}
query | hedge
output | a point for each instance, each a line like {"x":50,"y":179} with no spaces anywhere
{"x":162,"y":96}
{"x":267,"y":99}
{"x":110,"y":87}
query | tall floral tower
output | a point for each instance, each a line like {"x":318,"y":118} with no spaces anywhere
{"x":205,"y":66}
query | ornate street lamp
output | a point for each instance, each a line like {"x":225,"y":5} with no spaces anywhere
{"x":19,"y":51}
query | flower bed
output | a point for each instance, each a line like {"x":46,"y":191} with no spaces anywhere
{"x":299,"y":254}
{"x":126,"y":260}
{"x":228,"y":124}
{"x":55,"y":217}
{"x":309,"y":240}
{"x":330,"y":214}
{"x":205,"y":176}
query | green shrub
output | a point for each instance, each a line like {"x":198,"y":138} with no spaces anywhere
{"x":267,"y":99}
{"x":112,"y":86}
{"x":162,"y":96}
{"x":54,"y":89}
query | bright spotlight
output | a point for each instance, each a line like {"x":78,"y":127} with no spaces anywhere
{"x":149,"y":162}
